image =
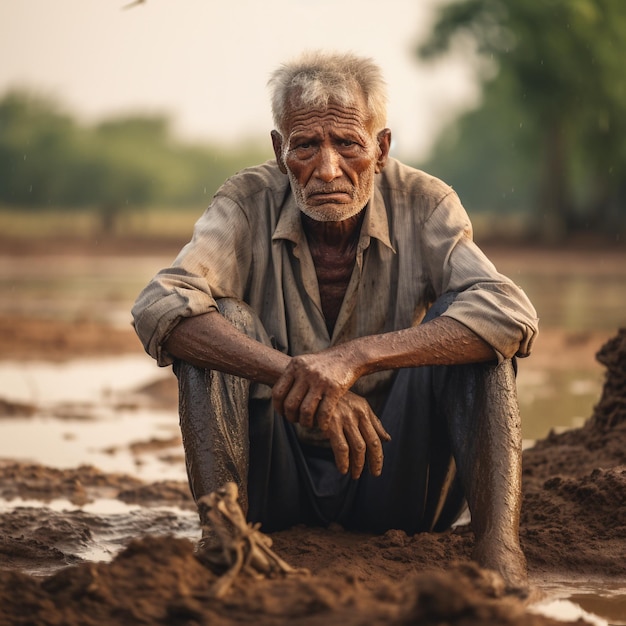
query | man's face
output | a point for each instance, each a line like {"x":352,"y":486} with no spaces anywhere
{"x":331,"y":157}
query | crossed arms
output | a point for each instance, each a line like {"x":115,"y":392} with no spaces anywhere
{"x":314,"y":389}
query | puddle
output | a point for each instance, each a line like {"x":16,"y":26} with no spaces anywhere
{"x":567,"y":611}
{"x":603,"y":599}
{"x":80,"y":380}
{"x":82,"y":417}
{"x":103,"y":441}
{"x":96,"y":531}
{"x":556,"y":399}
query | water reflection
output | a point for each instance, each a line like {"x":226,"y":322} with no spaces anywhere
{"x":83,"y":416}
{"x":556,"y":399}
{"x":90,"y":380}
{"x":577,"y":302}
{"x":597,"y":597}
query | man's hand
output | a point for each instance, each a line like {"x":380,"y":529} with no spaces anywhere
{"x":355,"y":433}
{"x":313,"y":391}
{"x":309,"y":388}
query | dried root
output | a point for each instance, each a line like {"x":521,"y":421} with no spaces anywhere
{"x":233,"y":546}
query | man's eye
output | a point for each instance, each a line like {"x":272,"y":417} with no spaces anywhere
{"x":304,"y":146}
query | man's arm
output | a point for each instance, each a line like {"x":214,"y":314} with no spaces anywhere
{"x":210,"y":341}
{"x":310,"y":386}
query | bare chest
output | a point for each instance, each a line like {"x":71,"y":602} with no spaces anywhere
{"x":333,"y":268}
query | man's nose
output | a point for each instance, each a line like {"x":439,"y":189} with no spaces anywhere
{"x":328,"y":166}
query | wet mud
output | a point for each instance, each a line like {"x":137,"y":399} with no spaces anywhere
{"x":83,"y":546}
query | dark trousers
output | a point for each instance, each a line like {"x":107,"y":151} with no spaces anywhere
{"x":448,"y":424}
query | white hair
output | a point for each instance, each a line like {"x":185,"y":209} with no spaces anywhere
{"x":317,"y":79}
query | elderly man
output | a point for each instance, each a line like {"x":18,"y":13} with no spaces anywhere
{"x":332,"y":308}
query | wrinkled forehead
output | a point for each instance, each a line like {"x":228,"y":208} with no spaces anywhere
{"x":350,"y":106}
{"x":308,"y":119}
{"x":353,"y":114}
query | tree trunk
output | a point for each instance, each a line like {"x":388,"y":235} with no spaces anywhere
{"x":556,"y":218}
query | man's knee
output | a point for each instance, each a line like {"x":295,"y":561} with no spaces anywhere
{"x":237,"y":313}
{"x":244,"y":318}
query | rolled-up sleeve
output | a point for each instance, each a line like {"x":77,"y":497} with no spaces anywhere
{"x":489,"y":303}
{"x":210,"y":266}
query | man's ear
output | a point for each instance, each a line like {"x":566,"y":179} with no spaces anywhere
{"x":384,"y":144}
{"x":277,"y":144}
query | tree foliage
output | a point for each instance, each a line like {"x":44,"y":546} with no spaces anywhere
{"x":50,"y":160}
{"x":552,"y":124}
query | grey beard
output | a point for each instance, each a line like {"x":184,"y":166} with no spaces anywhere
{"x":339,"y":212}
{"x":319,"y":214}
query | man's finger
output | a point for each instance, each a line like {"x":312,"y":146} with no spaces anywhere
{"x":358,"y":447}
{"x":380,"y":429}
{"x":375,"y":454}
{"x":325,"y":410}
{"x":340,"y":449}
{"x":308,"y":409}
{"x":293,"y":402}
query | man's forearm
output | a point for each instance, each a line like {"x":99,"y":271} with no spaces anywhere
{"x":442,"y":341}
{"x":211,"y":341}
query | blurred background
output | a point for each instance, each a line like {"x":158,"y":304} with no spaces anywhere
{"x":118,"y":121}
{"x":108,"y":108}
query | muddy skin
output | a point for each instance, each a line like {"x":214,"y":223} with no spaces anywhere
{"x":206,"y":420}
{"x":489,"y":460}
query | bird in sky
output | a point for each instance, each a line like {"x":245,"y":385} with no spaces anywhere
{"x":133,"y":4}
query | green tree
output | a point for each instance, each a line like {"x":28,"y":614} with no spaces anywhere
{"x":36,"y":139}
{"x":555,"y":88}
{"x":49,"y":160}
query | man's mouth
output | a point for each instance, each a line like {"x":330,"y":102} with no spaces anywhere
{"x":335,"y":197}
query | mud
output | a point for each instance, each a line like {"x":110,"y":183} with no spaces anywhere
{"x":82,"y":546}
{"x":574,"y":483}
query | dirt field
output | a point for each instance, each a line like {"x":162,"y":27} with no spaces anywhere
{"x":573,"y":527}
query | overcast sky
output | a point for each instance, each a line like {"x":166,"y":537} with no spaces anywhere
{"x":206,"y":62}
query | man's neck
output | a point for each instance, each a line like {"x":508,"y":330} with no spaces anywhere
{"x":338,"y":235}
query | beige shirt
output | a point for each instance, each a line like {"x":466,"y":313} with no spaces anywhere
{"x":415,"y":244}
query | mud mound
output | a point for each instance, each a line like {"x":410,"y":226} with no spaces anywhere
{"x":611,"y":409}
{"x":79,"y":485}
{"x":157,"y":580}
{"x":600,"y":442}
{"x":574,"y":483}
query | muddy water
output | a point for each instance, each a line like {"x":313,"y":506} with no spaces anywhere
{"x":79,"y":414}
{"x":95,"y":531}
{"x":85,"y":412}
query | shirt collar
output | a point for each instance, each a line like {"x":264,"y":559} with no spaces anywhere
{"x":289,"y":225}
{"x":375,"y":224}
